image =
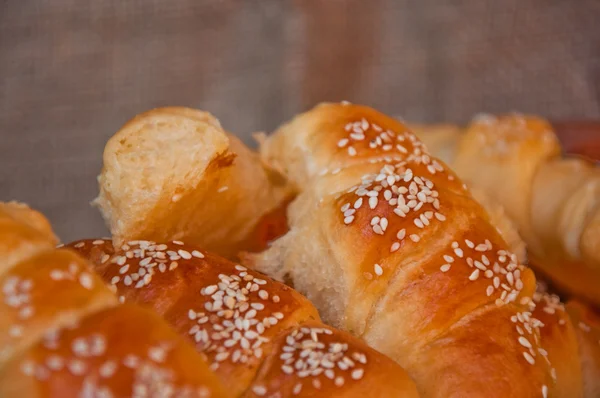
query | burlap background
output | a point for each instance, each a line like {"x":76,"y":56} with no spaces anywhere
{"x":73,"y":71}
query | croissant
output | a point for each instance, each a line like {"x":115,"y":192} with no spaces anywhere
{"x":553,"y":200}
{"x":64,"y":334}
{"x":174,"y":173}
{"x":389,"y":244}
{"x":261,"y":337}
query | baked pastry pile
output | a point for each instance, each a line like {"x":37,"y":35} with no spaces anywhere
{"x":342,"y":259}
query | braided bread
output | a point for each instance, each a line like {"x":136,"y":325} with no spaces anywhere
{"x":261,"y":337}
{"x":389,"y":244}
{"x":553,"y":200}
{"x":173,"y":173}
{"x":64,"y":334}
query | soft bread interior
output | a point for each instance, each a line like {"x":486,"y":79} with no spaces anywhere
{"x":141,"y":177}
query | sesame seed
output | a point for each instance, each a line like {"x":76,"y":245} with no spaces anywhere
{"x":124,"y":269}
{"x":157,"y":354}
{"x":448,"y":258}
{"x":343,"y":142}
{"x":28,"y":368}
{"x":259,"y":390}
{"x":529,"y":358}
{"x":197,"y":254}
{"x":15,"y":331}
{"x":364,"y":124}
{"x":209,"y":290}
{"x":545,"y":391}
{"x":469,"y":243}
{"x":458,"y":252}
{"x":357,"y":374}
{"x":585,"y":327}
{"x":395,"y":246}
{"x":348,"y":220}
{"x":415,"y":238}
{"x":481,"y":247}
{"x":184,"y":254}
{"x":297,"y":389}
{"x":378,"y":269}
{"x":445,"y":267}
{"x":56,"y":274}
{"x":524,"y":342}
{"x":373,"y":202}
{"x":474,"y":275}
{"x":76,"y":367}
{"x":54,"y":362}
{"x":509,"y":278}
{"x":399,"y":212}
{"x":401,"y":234}
{"x":351,"y":151}
{"x":383,"y":223}
{"x":86,"y":280}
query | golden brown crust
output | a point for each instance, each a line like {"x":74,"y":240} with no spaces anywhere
{"x":26,"y":311}
{"x":31,"y":218}
{"x":587,"y":327}
{"x":302,"y":153}
{"x":511,"y":147}
{"x":23,"y":233}
{"x":314,"y":359}
{"x":403,"y":256}
{"x":63,"y":334}
{"x":121,"y":352}
{"x":556,"y":210}
{"x":240,"y":320}
{"x":189,"y":289}
{"x":558,"y":336}
{"x":174,"y":173}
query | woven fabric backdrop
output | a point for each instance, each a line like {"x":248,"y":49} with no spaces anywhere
{"x":72,"y":72}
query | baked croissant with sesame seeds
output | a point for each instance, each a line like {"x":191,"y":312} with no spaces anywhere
{"x":64,"y":334}
{"x":571,"y":333}
{"x":261,"y":337}
{"x":389,"y":244}
{"x":174,"y":173}
{"x":554,"y":200}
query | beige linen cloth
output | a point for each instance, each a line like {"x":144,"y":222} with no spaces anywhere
{"x":72,"y":72}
